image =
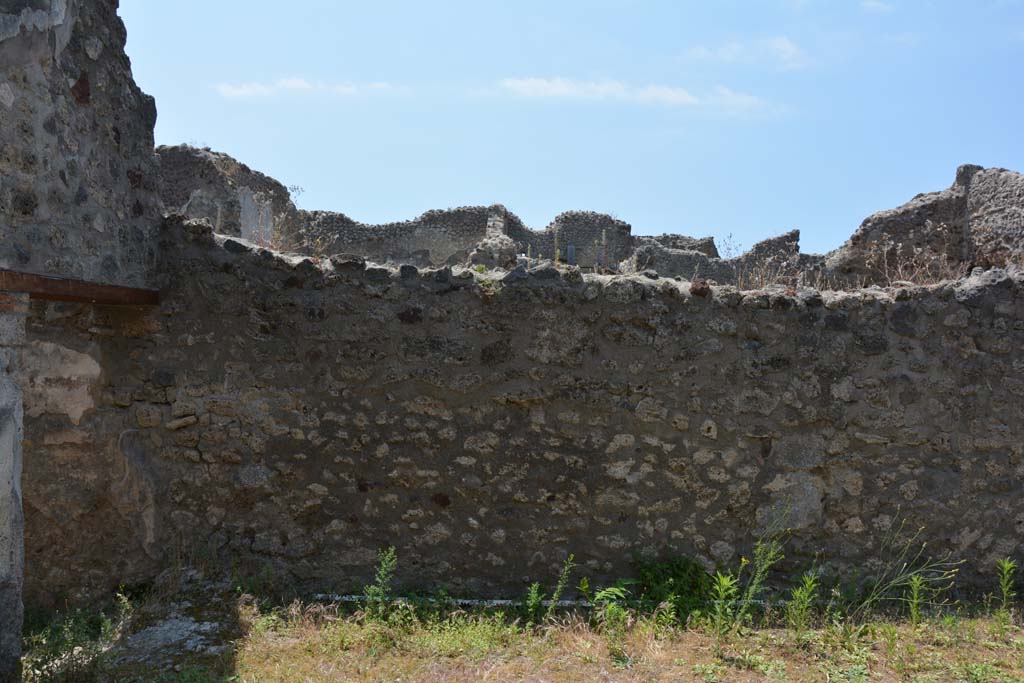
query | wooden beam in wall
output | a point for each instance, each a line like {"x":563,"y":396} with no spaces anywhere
{"x":50,"y":288}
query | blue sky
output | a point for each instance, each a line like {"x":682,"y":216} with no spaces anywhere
{"x":734,"y":117}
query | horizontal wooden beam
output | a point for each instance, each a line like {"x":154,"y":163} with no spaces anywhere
{"x":50,"y":288}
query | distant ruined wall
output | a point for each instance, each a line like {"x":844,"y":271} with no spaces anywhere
{"x":435,"y":238}
{"x":705,"y":245}
{"x":78,"y":181}
{"x":203,"y":184}
{"x":595,"y":237}
{"x":275,"y":411}
{"x":236,"y":200}
{"x":777,"y":259}
{"x":450,"y":236}
{"x":978,"y":221}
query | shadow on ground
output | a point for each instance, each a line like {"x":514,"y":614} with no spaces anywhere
{"x":184,"y":630}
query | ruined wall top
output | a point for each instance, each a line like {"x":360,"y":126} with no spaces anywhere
{"x":81,"y":192}
{"x":979,"y":221}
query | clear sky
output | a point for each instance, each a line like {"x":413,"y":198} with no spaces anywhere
{"x":746,"y":117}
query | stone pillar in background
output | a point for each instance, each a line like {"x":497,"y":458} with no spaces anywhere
{"x":13,"y":309}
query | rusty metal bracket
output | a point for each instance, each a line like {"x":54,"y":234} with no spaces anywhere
{"x":51,"y":288}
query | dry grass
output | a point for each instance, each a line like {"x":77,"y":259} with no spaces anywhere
{"x":315,"y":247}
{"x":320,"y":646}
{"x":890,"y":263}
{"x":305,"y":643}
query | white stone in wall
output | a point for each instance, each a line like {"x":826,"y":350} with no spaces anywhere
{"x":33,"y":19}
{"x":57,"y":380}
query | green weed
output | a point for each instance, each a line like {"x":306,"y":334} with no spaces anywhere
{"x":801,"y":603}
{"x":379,"y":594}
{"x":1005,"y":570}
{"x":679,"y":581}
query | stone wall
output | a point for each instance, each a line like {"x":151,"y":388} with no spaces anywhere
{"x":300,"y":415}
{"x":77,"y":172}
{"x":78,"y":199}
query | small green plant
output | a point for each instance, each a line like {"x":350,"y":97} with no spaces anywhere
{"x":489,"y":288}
{"x":480,"y":268}
{"x":846,"y":635}
{"x":679,"y":581}
{"x":725,"y":593}
{"x":563,"y":581}
{"x":857,"y":673}
{"x":750,"y":661}
{"x":767,"y":553}
{"x":266,"y":623}
{"x":732,"y":600}
{"x":1005,"y":570}
{"x":916,"y":596}
{"x":72,"y":648}
{"x":891,"y":637}
{"x":896,"y":579}
{"x":979,"y":673}
{"x":533,"y":604}
{"x":378,"y":594}
{"x":708,"y":673}
{"x":664,"y":621}
{"x":612,"y":615}
{"x":801,"y":603}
